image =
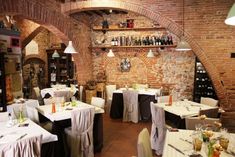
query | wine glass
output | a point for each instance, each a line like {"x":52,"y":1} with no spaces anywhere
{"x":197,"y":142}
{"x":224,"y":138}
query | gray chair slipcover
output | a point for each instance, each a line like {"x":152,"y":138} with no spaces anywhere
{"x":131,"y":106}
{"x":143,"y":144}
{"x":158,"y":129}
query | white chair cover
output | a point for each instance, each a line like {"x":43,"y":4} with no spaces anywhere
{"x":143,"y":144}
{"x":109,"y":91}
{"x":158,"y":129}
{"x":80,"y":135}
{"x":131,"y":106}
{"x":163,"y":99}
{"x":32,"y":111}
{"x":30,"y":147}
{"x":48,"y":101}
{"x":67,"y":95}
{"x":80,"y":92}
{"x":209,"y":101}
{"x":99,"y":102}
{"x":190,"y":122}
{"x":3,"y":116}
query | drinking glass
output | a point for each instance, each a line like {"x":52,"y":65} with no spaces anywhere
{"x":224,"y":138}
{"x":197,"y":142}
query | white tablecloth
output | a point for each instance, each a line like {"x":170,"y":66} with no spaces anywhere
{"x":63,"y":113}
{"x":177,"y":140}
{"x":184,"y":108}
{"x":67,"y":91}
{"x":11,"y":134}
{"x":148,"y":91}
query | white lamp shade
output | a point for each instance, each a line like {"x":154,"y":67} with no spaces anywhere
{"x":55,"y":54}
{"x":110,"y":53}
{"x":230,"y":20}
{"x":70,"y":48}
{"x":183,"y":46}
{"x":150,"y":54}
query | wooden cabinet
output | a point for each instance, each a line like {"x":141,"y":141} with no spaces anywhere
{"x":60,"y":69}
{"x":2,"y":84}
{"x":203,"y":86}
{"x":89,"y":95}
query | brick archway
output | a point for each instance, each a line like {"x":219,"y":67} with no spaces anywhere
{"x":54,"y":21}
{"x":140,"y":8}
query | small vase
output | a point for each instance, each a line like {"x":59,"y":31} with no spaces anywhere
{"x":21,"y":117}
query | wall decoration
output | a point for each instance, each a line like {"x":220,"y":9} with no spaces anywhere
{"x":125,"y":65}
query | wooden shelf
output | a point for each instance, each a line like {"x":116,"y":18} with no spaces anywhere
{"x":129,"y":29}
{"x":137,"y":46}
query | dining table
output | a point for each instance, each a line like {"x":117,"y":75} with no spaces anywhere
{"x":58,"y":91}
{"x":61,"y":119}
{"x":178,"y":110}
{"x":145,"y":96}
{"x":11,"y":131}
{"x":180,"y":144}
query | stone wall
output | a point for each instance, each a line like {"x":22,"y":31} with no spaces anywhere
{"x":171,"y":69}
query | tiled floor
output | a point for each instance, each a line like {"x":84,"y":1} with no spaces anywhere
{"x":120,"y":139}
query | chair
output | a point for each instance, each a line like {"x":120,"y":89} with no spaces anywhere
{"x":80,"y":135}
{"x":29,"y":147}
{"x":33,"y":115}
{"x":158,"y":129}
{"x":163,"y":99}
{"x":99,"y":102}
{"x":210,"y":113}
{"x":81,"y":91}
{"x":130,"y":106}
{"x":209,"y":101}
{"x":37,"y":95}
{"x":190,"y":122}
{"x":228,"y":121}
{"x":143,"y":144}
{"x":3,"y":116}
{"x":48,"y":101}
{"x":109,"y":95}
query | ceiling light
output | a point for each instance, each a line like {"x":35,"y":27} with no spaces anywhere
{"x":110,"y":53}
{"x":70,"y":48}
{"x":183,"y":45}
{"x":230,"y":20}
{"x":55,"y":54}
{"x":150,"y":54}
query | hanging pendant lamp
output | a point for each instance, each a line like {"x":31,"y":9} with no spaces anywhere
{"x":70,"y":48}
{"x":110,"y":53}
{"x":150,"y":54}
{"x":230,"y":20}
{"x":183,"y":45}
{"x":55,"y":54}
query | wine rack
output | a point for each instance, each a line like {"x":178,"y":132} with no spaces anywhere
{"x":59,"y":69}
{"x":203,"y":86}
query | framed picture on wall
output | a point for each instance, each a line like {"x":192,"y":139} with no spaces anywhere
{"x":15,"y":45}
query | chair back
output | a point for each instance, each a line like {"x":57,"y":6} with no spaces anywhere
{"x":209,"y":101}
{"x":48,"y":101}
{"x":109,"y":90}
{"x":228,"y":121}
{"x":80,"y":92}
{"x":99,"y":102}
{"x":32,"y":111}
{"x":82,"y":131}
{"x":3,"y":116}
{"x":143,"y":144}
{"x":210,"y":113}
{"x":158,"y":129}
{"x":131,"y":106}
{"x":191,"y":122}
{"x":29,"y":147}
{"x":37,"y":91}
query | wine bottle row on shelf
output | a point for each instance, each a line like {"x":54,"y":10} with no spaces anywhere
{"x":202,"y":79}
{"x":142,"y":41}
{"x":201,"y":71}
{"x":204,"y":93}
{"x":205,"y":86}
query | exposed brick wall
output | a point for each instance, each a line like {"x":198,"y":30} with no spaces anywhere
{"x":171,"y":69}
{"x":204,"y":30}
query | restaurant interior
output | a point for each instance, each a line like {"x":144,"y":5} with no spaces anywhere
{"x":111,"y":78}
